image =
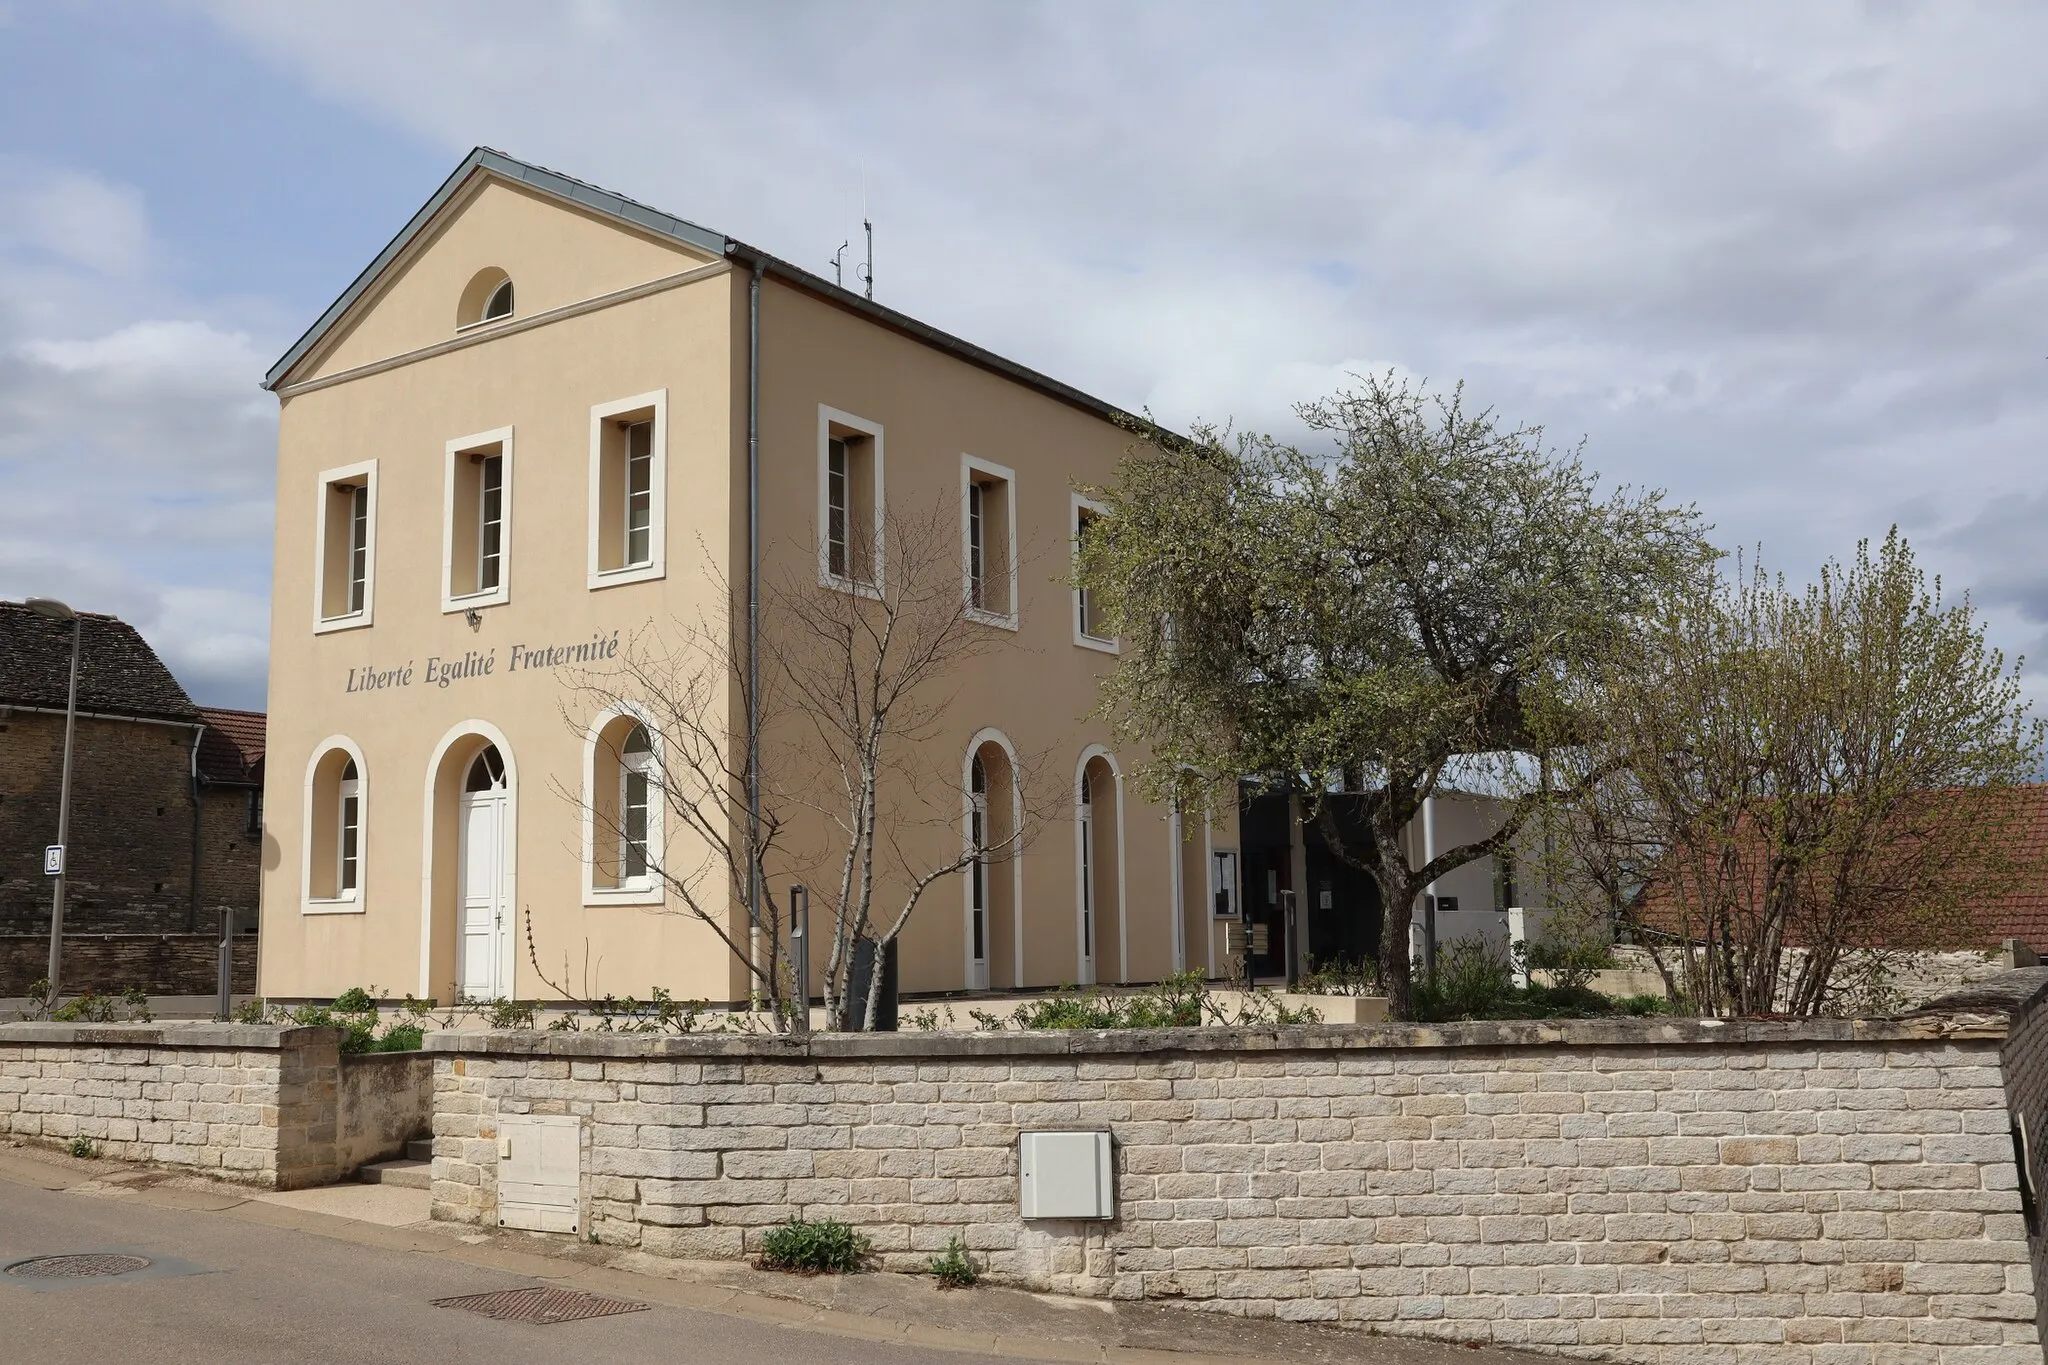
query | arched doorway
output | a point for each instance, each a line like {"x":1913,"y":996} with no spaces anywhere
{"x":469,"y":866}
{"x":1098,"y":866}
{"x":992,"y":933}
{"x":480,"y":895}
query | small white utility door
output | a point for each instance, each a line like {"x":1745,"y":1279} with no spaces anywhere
{"x":540,"y":1172}
{"x":481,"y":897}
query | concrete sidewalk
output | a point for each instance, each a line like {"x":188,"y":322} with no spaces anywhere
{"x":908,"y":1312}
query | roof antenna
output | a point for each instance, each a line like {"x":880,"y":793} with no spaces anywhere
{"x":839,"y":265}
{"x":867,"y":272}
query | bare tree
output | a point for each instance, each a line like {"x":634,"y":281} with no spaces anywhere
{"x":688,"y":684}
{"x":1794,"y":779}
{"x":867,"y":665}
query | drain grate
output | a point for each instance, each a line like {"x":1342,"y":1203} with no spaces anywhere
{"x":77,"y":1267}
{"x":541,"y":1304}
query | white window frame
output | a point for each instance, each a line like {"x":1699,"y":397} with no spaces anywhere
{"x":657,"y":530}
{"x":1076,"y":504}
{"x":354,"y":901}
{"x":969,"y":467}
{"x":829,"y":417}
{"x":652,"y":891}
{"x":347,"y":878}
{"x":457,"y":449}
{"x":366,"y":471}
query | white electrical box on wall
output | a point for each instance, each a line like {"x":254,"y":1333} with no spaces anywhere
{"x":540,"y":1172}
{"x":1066,"y":1175}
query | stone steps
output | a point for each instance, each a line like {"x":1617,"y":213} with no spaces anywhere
{"x":413,"y":1175}
{"x":420,"y":1149}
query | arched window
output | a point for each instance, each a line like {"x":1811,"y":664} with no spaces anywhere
{"x":486,"y":771}
{"x":1087,"y":817}
{"x":332,"y":867}
{"x":636,"y":768}
{"x":486,"y":298}
{"x":623,"y":810}
{"x":977,"y":834}
{"x":349,"y":836}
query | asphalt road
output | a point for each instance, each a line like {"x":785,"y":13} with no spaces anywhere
{"x":226,"y":1291}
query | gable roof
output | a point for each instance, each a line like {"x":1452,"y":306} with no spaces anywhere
{"x":485,"y":160}
{"x":231,"y":748}
{"x":118,"y":673}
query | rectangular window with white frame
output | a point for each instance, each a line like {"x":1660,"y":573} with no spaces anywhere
{"x":345,"y":552}
{"x":628,"y":489}
{"x":1090,"y":631}
{"x":850,"y":502}
{"x":476,"y":524}
{"x":988,"y":532}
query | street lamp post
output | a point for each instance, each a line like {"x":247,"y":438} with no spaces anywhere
{"x":57,"y":611}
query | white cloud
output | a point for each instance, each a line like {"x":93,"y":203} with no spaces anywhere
{"x":1788,"y":261}
{"x":136,"y":453}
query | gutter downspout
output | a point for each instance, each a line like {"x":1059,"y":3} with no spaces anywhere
{"x":754,"y":614}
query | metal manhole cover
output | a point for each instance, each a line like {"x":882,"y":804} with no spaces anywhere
{"x":78,"y":1267}
{"x":540,"y":1304}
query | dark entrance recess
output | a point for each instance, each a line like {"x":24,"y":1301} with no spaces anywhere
{"x":1340,"y":905}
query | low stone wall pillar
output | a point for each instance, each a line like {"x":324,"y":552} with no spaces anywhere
{"x":257,"y":1104}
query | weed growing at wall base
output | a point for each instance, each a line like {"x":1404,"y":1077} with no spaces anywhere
{"x":955,"y":1269}
{"x":826,"y":1247}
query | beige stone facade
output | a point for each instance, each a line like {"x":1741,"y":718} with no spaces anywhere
{"x":398,"y":655}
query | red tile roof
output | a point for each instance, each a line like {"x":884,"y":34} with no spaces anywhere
{"x":231,"y":750}
{"x":2024,"y":913}
{"x":2021,"y":913}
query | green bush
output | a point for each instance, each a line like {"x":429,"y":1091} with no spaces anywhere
{"x":1474,"y":981}
{"x":84,"y":1148}
{"x":826,"y":1247}
{"x":355,"y":1013}
{"x":1342,"y":977}
{"x":955,"y":1269}
{"x":1182,"y":1000}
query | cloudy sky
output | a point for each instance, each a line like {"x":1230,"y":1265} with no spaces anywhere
{"x":1789,"y":262}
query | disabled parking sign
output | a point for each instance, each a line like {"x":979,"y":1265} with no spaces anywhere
{"x":53,"y":860}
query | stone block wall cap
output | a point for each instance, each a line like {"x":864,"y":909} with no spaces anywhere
{"x":1625,"y":1032}
{"x":2007,"y":992}
{"x":261,"y":1037}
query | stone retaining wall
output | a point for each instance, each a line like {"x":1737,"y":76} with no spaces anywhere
{"x":1824,"y":1193}
{"x":275,"y":1107}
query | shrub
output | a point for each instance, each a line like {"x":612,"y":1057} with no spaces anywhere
{"x":1471,"y":980}
{"x":1342,"y":977}
{"x":84,"y":1148}
{"x":955,"y":1269}
{"x":1182,"y":1000}
{"x":1475,"y":981}
{"x":826,"y":1247}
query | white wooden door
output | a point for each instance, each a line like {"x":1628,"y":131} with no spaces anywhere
{"x":481,"y":897}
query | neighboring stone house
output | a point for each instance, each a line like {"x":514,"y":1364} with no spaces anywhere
{"x":161,"y":831}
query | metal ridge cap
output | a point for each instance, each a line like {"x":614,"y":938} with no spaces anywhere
{"x":931,"y":335}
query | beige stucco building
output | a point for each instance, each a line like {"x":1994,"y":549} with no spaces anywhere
{"x":523,"y":439}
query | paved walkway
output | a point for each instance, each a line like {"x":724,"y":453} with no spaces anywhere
{"x":347,"y":1275}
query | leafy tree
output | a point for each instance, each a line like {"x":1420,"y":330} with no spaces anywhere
{"x":1793,"y":779}
{"x":1432,"y":593}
